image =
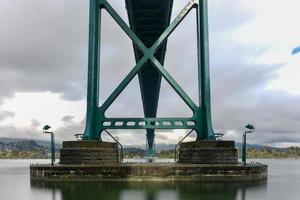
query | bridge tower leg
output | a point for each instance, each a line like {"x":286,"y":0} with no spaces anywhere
{"x":92,"y":131}
{"x":150,"y":148}
{"x":204,"y":72}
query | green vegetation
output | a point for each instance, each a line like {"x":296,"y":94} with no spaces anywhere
{"x":291,"y":152}
{"x":134,"y":152}
{"x":166,"y":154}
{"x":25,"y":149}
{"x":23,"y":155}
{"x":266,"y":152}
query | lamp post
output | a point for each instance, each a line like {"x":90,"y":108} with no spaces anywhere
{"x":251,"y":129}
{"x":45,"y":130}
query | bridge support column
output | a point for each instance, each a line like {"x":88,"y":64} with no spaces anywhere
{"x":92,"y":130}
{"x":150,"y":149}
{"x":206,"y":131}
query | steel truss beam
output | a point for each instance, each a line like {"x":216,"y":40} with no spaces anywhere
{"x":96,"y":121}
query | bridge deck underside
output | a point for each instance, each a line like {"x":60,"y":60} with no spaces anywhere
{"x":148,"y":19}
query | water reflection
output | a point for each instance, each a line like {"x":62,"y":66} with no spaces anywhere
{"x":148,"y":191}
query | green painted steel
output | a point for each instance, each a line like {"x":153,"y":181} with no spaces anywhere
{"x":148,"y":20}
{"x":92,"y":128}
{"x":149,"y":30}
{"x":203,"y":62}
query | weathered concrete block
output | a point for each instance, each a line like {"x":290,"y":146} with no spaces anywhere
{"x":208,"y":152}
{"x":208,"y":144}
{"x":89,"y":152}
{"x":150,"y":172}
{"x":89,"y":144}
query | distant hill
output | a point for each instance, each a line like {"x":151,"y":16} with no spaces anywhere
{"x":161,"y":147}
{"x":22,"y":149}
{"x":42,"y":143}
{"x":252,"y":146}
{"x":28,"y":145}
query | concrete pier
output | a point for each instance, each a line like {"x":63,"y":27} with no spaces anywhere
{"x":206,"y":161}
{"x":89,"y":152}
{"x":208,"y":152}
{"x":150,"y":172}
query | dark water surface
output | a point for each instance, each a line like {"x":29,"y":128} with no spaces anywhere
{"x":283,"y":183}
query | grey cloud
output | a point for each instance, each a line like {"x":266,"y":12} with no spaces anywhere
{"x":20,"y":132}
{"x":35,"y":123}
{"x":67,"y":118}
{"x":161,"y":137}
{"x":69,"y":129}
{"x":43,"y":47}
{"x":226,"y":16}
{"x":269,"y":138}
{"x":6,"y":114}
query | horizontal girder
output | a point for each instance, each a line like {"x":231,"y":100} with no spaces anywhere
{"x":149,"y":123}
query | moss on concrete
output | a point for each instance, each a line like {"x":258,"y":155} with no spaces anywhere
{"x":150,"y":172}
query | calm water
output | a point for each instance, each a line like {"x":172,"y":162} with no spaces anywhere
{"x":283,"y":183}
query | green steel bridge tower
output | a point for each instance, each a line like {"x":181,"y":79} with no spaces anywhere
{"x":149,"y":27}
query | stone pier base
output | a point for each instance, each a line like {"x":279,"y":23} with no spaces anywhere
{"x":203,"y":161}
{"x":208,"y":152}
{"x":150,"y":172}
{"x":89,"y":152}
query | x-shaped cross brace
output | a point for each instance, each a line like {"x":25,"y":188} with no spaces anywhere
{"x":201,"y":113}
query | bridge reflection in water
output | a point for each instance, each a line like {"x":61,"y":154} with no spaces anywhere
{"x":147,"y":191}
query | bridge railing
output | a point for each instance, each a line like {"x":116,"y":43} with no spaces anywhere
{"x":120,"y":146}
{"x":180,"y":143}
{"x":120,"y":150}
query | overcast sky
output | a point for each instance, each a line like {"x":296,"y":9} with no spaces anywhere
{"x":254,"y":76}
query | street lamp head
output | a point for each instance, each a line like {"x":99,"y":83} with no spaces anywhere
{"x":250,"y":127}
{"x":46,"y":127}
